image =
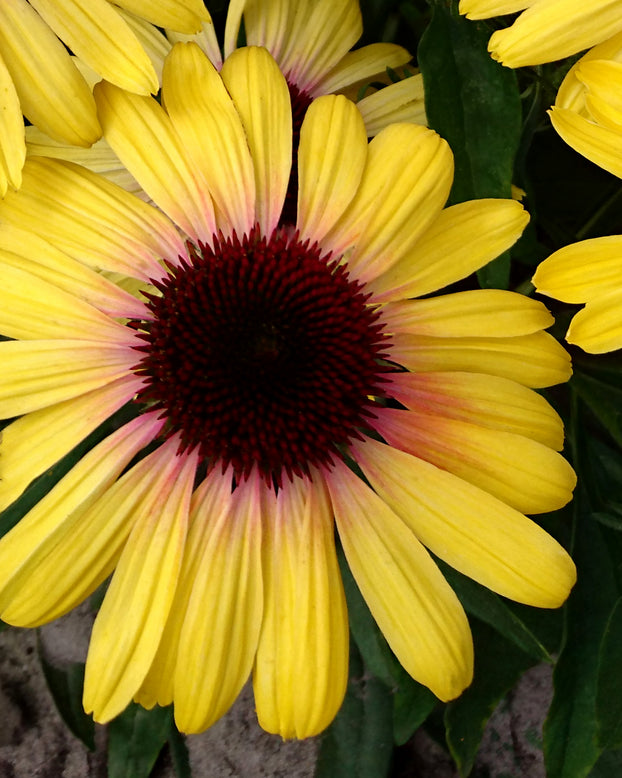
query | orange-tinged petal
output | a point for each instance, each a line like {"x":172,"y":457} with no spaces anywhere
{"x":331,"y":160}
{"x":474,"y":313}
{"x":143,"y":137}
{"x":459,"y":241}
{"x":95,"y":32}
{"x":52,"y":93}
{"x":413,"y":605}
{"x":404,"y":187}
{"x":261,"y":97}
{"x":211,"y":131}
{"x":536,"y":360}
{"x":37,"y":373}
{"x":130,"y":622}
{"x":53,"y":522}
{"x":519,"y":471}
{"x":57,"y":429}
{"x":470,"y":529}
{"x":222,"y":591}
{"x":301,"y":670}
{"x":487,"y":400}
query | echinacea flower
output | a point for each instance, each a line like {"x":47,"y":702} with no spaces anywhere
{"x":311,"y":42}
{"x":39,"y":79}
{"x":268,"y":366}
{"x":546,"y":30}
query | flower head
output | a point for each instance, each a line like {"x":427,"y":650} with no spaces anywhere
{"x":40,"y":79}
{"x":310,"y":41}
{"x":268,"y":365}
{"x":546,"y":30}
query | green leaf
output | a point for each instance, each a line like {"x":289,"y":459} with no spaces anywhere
{"x":491,"y":609}
{"x":412,"y":704}
{"x":570,"y":747}
{"x":135,"y":739}
{"x":604,"y":399}
{"x":498,"y":665}
{"x":474,"y":103}
{"x":359,"y":742}
{"x":179,"y":752}
{"x":609,"y":683}
{"x":66,"y":685}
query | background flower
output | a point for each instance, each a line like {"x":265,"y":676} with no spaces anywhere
{"x":316,"y":332}
{"x":546,"y":30}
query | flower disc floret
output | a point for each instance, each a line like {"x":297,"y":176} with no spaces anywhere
{"x":262,"y":351}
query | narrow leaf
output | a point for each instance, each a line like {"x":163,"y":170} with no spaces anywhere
{"x":135,"y":739}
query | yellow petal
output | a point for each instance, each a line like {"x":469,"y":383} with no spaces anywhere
{"x":95,"y":32}
{"x":604,"y":81}
{"x":321,"y":33}
{"x":598,"y":327}
{"x":37,"y":373}
{"x":476,"y":313}
{"x":331,"y":159}
{"x":57,"y":429}
{"x":486,"y":400}
{"x":52,"y":93}
{"x":459,"y":241}
{"x":582,"y":271}
{"x":410,"y":600}
{"x":362,"y":64}
{"x":143,"y":137}
{"x":26,"y":601}
{"x":404,"y":187}
{"x":155,"y":44}
{"x":301,"y":670}
{"x":130,"y":622}
{"x":261,"y":97}
{"x":400,"y":102}
{"x":91,"y":219}
{"x":517,"y":470}
{"x":553,"y":29}
{"x":265,"y":24}
{"x":484,"y":9}
{"x":220,"y":601}
{"x":470,"y":529}
{"x":31,"y":308}
{"x":37,"y":256}
{"x":99,"y":158}
{"x":12,"y":146}
{"x":211,"y":131}
{"x":600,"y":145}
{"x":181,"y":15}
{"x":535,"y":360}
{"x":206,"y":40}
